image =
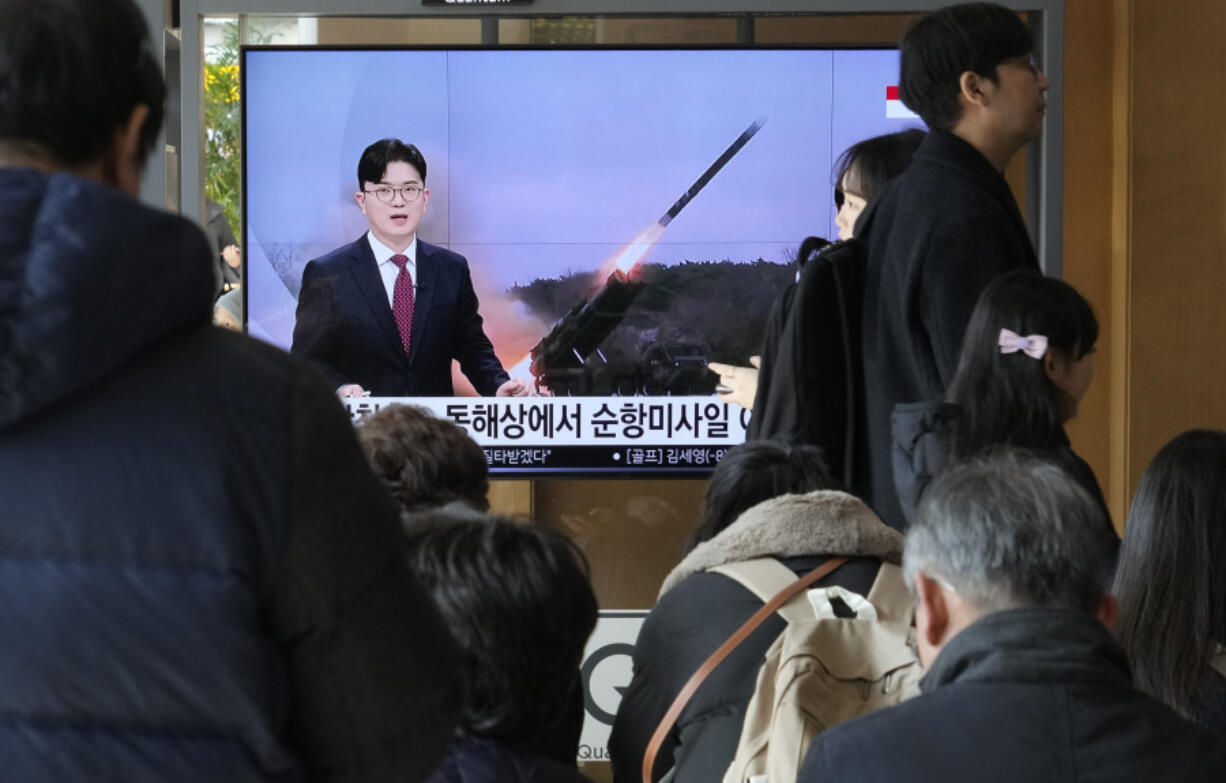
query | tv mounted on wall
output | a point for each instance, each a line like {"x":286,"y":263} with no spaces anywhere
{"x":627,"y":214}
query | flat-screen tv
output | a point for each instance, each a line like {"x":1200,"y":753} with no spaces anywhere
{"x":627,"y":215}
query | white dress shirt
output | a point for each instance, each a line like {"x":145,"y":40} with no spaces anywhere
{"x":389,"y":271}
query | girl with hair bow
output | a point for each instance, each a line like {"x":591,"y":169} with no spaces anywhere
{"x":1026,"y":362}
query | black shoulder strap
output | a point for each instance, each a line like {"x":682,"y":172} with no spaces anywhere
{"x":849,"y":363}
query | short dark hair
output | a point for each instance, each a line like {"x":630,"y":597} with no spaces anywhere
{"x":753,"y":472}
{"x":866,"y":166}
{"x":1008,"y":398}
{"x":71,"y":72}
{"x":519,"y":603}
{"x":1009,"y":529}
{"x":939,"y":47}
{"x":375,"y":159}
{"x":423,"y":460}
{"x":1169,"y":580}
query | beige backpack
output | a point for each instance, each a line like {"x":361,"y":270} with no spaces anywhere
{"x":821,"y":671}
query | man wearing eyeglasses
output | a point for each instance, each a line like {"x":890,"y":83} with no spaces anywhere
{"x":949,"y":224}
{"x":386,"y":315}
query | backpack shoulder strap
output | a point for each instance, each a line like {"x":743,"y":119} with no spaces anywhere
{"x":890,"y":597}
{"x":765,"y":577}
{"x":724,"y":650}
{"x":849,"y":295}
{"x":1217,"y":660}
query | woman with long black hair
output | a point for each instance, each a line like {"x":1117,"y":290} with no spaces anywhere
{"x":1170,"y":580}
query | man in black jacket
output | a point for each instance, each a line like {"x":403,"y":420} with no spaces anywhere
{"x":1024,"y":681}
{"x":949,"y":224}
{"x":201,"y":580}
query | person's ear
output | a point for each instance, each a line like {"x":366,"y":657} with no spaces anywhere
{"x":932,"y":611}
{"x":971,"y":88}
{"x":1108,"y":612}
{"x":1054,"y":365}
{"x":125,"y":160}
{"x":359,"y":198}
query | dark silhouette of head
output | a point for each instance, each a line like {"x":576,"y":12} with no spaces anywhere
{"x":1169,"y":579}
{"x":425,"y":461}
{"x":519,"y":604}
{"x":867,"y":165}
{"x":72,"y":72}
{"x":754,"y":472}
{"x":939,"y":47}
{"x":1009,"y":398}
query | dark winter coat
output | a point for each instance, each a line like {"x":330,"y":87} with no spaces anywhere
{"x":1020,"y":696}
{"x":201,"y":578}
{"x":922,"y":448}
{"x":940,"y":232}
{"x":697,"y":611}
{"x":486,"y":760}
{"x":810,"y":386}
{"x":1214,"y":693}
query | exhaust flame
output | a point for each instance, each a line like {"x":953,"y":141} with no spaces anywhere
{"x":522,"y":371}
{"x":625,"y":261}
{"x":630,"y":256}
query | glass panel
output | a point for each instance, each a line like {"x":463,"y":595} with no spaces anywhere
{"x":277,"y":30}
{"x":596,"y":30}
{"x":870,"y":30}
{"x":415,"y":31}
{"x":222,"y":146}
{"x":632,"y":531}
{"x":677,"y":30}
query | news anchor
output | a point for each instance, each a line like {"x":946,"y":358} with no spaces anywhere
{"x":386,"y":315}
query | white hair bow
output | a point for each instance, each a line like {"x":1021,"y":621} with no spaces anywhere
{"x":1034,"y":345}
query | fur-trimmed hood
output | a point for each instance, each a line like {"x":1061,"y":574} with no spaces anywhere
{"x":824,"y":522}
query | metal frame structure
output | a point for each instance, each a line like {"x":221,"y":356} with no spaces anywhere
{"x":1045,"y":160}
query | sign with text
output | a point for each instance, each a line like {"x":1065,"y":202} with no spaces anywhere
{"x":613,"y":435}
{"x":605,"y":674}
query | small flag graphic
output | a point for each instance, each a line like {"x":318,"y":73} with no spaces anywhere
{"x":894,"y":108}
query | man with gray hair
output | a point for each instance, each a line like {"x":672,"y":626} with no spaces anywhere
{"x":1024,"y":681}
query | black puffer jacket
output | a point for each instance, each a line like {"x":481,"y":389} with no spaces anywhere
{"x":1020,"y":696}
{"x":201,"y":579}
{"x":697,"y":611}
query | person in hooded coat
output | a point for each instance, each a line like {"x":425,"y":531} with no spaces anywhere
{"x":698,"y":610}
{"x":201,"y":578}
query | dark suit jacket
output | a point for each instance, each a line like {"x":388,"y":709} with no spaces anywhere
{"x":939,"y":233}
{"x":346,"y":328}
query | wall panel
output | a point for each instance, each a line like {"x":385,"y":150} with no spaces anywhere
{"x":1175,"y":227}
{"x":1088,"y":158}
